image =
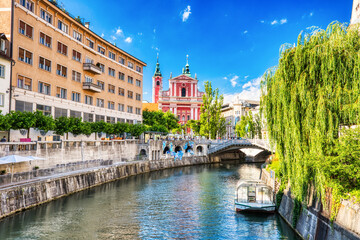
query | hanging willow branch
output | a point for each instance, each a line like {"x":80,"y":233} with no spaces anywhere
{"x":307,"y":98}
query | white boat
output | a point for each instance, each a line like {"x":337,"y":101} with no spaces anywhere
{"x":254,"y":196}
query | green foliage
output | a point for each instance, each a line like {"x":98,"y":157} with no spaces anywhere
{"x":136,"y":129}
{"x":249,"y":126}
{"x":278,"y":198}
{"x":212,"y":124}
{"x":158,"y":120}
{"x":296,"y":212}
{"x":4,"y":122}
{"x":21,"y":120}
{"x":99,"y":127}
{"x":62,"y":125}
{"x":120,"y":128}
{"x":314,"y":90}
{"x":195,"y":125}
{"x":76,"y":126}
{"x":42,"y":122}
{"x":86,"y":128}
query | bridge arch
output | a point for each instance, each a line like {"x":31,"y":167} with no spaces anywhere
{"x":166,"y":149}
{"x":178,"y":149}
{"x":199,"y":149}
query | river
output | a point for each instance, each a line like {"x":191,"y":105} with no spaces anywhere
{"x":194,"y":202}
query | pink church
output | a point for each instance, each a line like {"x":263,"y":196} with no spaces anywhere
{"x":183,"y":97}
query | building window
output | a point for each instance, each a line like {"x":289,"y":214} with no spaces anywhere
{"x":121,"y":92}
{"x":183,"y":118}
{"x":2,"y":45}
{"x":23,"y":106}
{"x":76,"y":76}
{"x":111,"y":105}
{"x":63,"y":27}
{"x":138,"y":83}
{"x":102,"y":67}
{"x":138,"y":69}
{"x":130,"y":94}
{"x":2,"y":71}
{"x":61,"y":70}
{"x":110,"y":119}
{"x":112,"y":55}
{"x":130,"y":65}
{"x":121,"y":107}
{"x":121,"y":120}
{"x":75,"y":97}
{"x":77,"y":36}
{"x":100,"y":102}
{"x":75,"y":114}
{"x":90,"y":43}
{"x":45,"y":64}
{"x":183,"y":92}
{"x":157,"y":83}
{"x":76,"y":56}
{"x":129,"y":109}
{"x":101,"y":84}
{"x":121,"y":76}
{"x":45,"y":40}
{"x":101,"y":50}
{"x":88,"y":100}
{"x":138,"y":111}
{"x":26,"y":29}
{"x":46,"y":110}
{"x":44,"y":88}
{"x":46,"y":16}
{"x":88,"y":117}
{"x":2,"y":99}
{"x":138,"y":97}
{"x":88,"y":79}
{"x":62,"y":48}
{"x":188,"y":117}
{"x":25,"y":56}
{"x":130,"y":80}
{"x":61,"y":93}
{"x":60,"y":112}
{"x":111,"y":88}
{"x":99,"y":118}
{"x":29,"y":5}
{"x":111,"y":72}
{"x":121,"y":60}
{"x":24,"y":83}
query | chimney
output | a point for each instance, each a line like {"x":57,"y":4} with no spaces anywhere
{"x":87,"y":24}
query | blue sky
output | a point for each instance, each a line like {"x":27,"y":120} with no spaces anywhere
{"x":230,"y":42}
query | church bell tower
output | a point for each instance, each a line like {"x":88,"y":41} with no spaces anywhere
{"x":157,"y":82}
{"x":355,"y":15}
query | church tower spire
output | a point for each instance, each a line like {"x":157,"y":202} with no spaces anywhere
{"x":157,"y":82}
{"x":187,"y":67}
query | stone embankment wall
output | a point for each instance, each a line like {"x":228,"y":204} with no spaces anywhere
{"x":312,"y":223}
{"x":21,"y":197}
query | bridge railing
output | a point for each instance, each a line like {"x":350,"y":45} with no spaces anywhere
{"x":226,"y":143}
{"x":263,"y":143}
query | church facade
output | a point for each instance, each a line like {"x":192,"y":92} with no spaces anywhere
{"x":183,"y":97}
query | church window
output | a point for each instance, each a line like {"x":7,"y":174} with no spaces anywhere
{"x":183,"y":92}
{"x":183,"y":118}
{"x":188,"y":117}
{"x":157,"y":83}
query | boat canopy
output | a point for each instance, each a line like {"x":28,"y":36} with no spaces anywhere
{"x":253,"y":191}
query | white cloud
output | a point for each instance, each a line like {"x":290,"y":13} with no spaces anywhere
{"x":262,"y":21}
{"x":225,"y":78}
{"x":311,"y":14}
{"x":140,"y":33}
{"x":119,"y":32}
{"x":154,"y":30}
{"x":233,"y":80}
{"x":146,"y":93}
{"x":246,"y":31}
{"x":283,"y":21}
{"x":113,"y":38}
{"x":274,"y":22}
{"x":186,"y":13}
{"x":128,"y":40}
{"x":251,"y":91}
{"x":102,"y":35}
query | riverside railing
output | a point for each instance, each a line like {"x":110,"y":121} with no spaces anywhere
{"x":58,"y":157}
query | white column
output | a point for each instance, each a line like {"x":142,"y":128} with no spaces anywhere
{"x":191,"y":92}
{"x":191,"y":113}
{"x":175,"y":111}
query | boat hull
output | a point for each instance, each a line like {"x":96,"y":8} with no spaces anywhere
{"x":254,"y":207}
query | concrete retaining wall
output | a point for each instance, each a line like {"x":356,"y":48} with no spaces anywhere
{"x":312,"y":224}
{"x":28,"y":195}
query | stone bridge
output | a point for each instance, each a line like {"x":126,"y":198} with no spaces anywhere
{"x":233,"y":150}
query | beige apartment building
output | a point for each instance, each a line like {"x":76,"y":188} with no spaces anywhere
{"x":64,"y":69}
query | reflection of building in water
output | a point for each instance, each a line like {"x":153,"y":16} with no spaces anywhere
{"x":249,"y":171}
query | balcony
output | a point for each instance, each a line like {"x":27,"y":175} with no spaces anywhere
{"x":92,"y":68}
{"x":91,"y":87}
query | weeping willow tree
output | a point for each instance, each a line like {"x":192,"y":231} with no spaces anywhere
{"x":307,"y":99}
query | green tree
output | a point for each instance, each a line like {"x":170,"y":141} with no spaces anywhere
{"x":4,"y":122}
{"x":22,"y":120}
{"x":312,"y":92}
{"x":195,"y":125}
{"x":42,"y":122}
{"x":76,"y":126}
{"x":62,"y":126}
{"x":212,"y":123}
{"x":86,"y":128}
{"x":155,"y":119}
{"x":120,"y":128}
{"x":136,"y":129}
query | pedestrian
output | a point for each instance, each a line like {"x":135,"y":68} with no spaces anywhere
{"x":3,"y":139}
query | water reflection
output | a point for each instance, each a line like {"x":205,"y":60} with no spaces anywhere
{"x":189,"y":203}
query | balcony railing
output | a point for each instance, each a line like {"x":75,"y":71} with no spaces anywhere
{"x":91,"y":87}
{"x":92,"y":68}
